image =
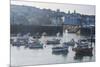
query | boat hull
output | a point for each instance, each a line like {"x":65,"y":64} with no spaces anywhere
{"x":53,"y":42}
{"x":60,"y":49}
{"x":83,"y":51}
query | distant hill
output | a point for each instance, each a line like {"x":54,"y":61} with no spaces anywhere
{"x":27,"y":15}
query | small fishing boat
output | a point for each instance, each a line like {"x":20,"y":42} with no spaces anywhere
{"x":34,"y":44}
{"x":60,"y":52}
{"x":83,"y":40}
{"x":70,"y":43}
{"x":53,"y":41}
{"x":60,"y":49}
{"x":18,"y":43}
{"x":88,"y":39}
{"x":83,"y":48}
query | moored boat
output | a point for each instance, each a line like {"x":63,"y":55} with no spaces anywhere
{"x":19,"y":42}
{"x":53,"y":41}
{"x":70,"y":43}
{"x":83,"y":48}
{"x":34,"y":44}
{"x":60,"y":49}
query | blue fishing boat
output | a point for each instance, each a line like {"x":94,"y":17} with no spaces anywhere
{"x":59,"y":49}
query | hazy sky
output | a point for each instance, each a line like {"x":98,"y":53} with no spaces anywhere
{"x":83,"y":9}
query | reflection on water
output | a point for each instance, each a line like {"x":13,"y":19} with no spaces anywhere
{"x":26,"y":56}
{"x":80,"y":57}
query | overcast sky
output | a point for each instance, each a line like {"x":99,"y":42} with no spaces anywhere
{"x":83,"y":9}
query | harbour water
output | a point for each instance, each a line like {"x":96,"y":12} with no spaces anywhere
{"x":26,"y":56}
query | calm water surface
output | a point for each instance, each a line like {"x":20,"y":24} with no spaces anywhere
{"x":26,"y":56}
